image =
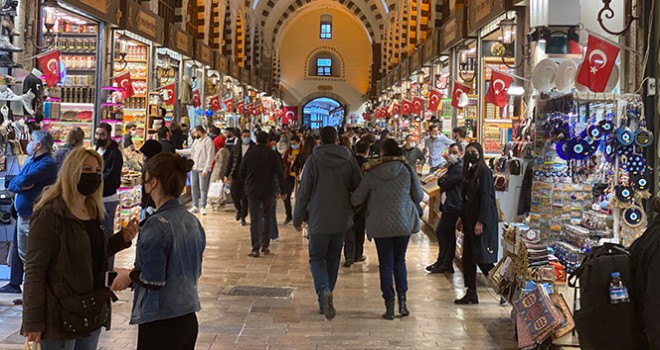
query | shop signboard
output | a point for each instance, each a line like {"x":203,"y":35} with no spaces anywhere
{"x":235,"y":70}
{"x":139,"y":20}
{"x":453,"y":32}
{"x":203,"y":53}
{"x":430,"y":48}
{"x":222,"y":63}
{"x":390,"y":80}
{"x":107,"y":10}
{"x":482,"y":12}
{"x":254,"y":81}
{"x":396,"y":74}
{"x":405,"y":69}
{"x":245,"y":76}
{"x":416,"y":60}
{"x":180,"y":41}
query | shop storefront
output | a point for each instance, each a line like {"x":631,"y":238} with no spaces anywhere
{"x":77,"y":31}
{"x":204,"y":61}
{"x":168,"y":72}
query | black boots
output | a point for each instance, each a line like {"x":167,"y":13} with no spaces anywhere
{"x":403,"y":307}
{"x":389,"y":309}
{"x":470,"y":298}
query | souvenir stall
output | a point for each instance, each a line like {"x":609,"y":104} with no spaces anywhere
{"x":72,"y":37}
{"x":169,"y":59}
{"x":133,"y":47}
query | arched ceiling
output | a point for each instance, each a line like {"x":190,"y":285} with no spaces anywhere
{"x":272,"y":14}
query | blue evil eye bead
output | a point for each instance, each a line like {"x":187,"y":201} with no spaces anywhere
{"x":643,"y":137}
{"x":625,"y":137}
{"x":595,"y":131}
{"x":606,"y":126}
{"x":624,"y":193}
{"x":209,"y":113}
{"x":636,"y":164}
{"x":562,"y":151}
{"x":633,"y":216}
{"x":640,"y":183}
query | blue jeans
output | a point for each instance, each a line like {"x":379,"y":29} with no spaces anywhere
{"x":109,"y":224}
{"x":446,"y":234}
{"x":23,"y":226}
{"x":88,"y":343}
{"x":392,"y":261}
{"x":324,"y":260}
{"x":200,"y":188}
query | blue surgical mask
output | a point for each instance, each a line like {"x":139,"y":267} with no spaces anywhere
{"x":246,"y":140}
{"x":294,"y":147}
{"x":274,"y":148}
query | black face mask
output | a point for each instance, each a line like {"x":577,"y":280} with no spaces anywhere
{"x":101,"y":142}
{"x":472,"y":158}
{"x":89,"y":183}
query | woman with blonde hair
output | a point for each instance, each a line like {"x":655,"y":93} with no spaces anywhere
{"x":66,"y":303}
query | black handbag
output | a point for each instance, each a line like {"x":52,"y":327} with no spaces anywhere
{"x":83,"y":314}
{"x":5,"y":197}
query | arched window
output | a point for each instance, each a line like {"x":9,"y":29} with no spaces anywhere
{"x":324,"y":66}
{"x":326,"y":27}
{"x":323,"y":63}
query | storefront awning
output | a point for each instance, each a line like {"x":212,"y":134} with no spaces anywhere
{"x":453,"y":32}
{"x":482,"y":12}
{"x":137,"y":19}
{"x":204,"y":53}
{"x":105,"y":10}
{"x":179,"y":41}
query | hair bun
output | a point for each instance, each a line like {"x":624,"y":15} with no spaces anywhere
{"x":184,"y":164}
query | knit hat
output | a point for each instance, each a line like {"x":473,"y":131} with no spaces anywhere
{"x":151,"y":147}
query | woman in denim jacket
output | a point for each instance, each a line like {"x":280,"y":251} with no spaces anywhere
{"x":168,"y":261}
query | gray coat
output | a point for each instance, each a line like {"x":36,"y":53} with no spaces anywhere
{"x":323,"y":200}
{"x":391,"y":189}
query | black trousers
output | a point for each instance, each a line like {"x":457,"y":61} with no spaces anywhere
{"x":289,"y":184}
{"x":16,"y":276}
{"x":469,"y":263}
{"x":178,"y":333}
{"x":260,"y":209}
{"x":446,"y":234}
{"x":239,"y":198}
{"x":354,"y":238}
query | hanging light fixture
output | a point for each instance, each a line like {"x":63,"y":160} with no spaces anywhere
{"x":463,"y":57}
{"x":122,"y":51}
{"x":508,"y":28}
{"x":49,"y":8}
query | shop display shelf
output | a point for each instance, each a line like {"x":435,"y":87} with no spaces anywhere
{"x":133,"y":61}
{"x":76,"y":52}
{"x":110,"y":104}
{"x":111,"y":121}
{"x":69,"y":34}
{"x":81,"y":70}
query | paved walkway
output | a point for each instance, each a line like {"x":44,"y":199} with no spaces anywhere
{"x":240,"y":322}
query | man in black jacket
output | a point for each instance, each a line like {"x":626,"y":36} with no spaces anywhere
{"x":258,"y":169}
{"x":164,"y":137}
{"x":113,"y":163}
{"x":450,"y":185}
{"x":238,"y":196}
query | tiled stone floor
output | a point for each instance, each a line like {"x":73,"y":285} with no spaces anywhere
{"x":233,"y":322}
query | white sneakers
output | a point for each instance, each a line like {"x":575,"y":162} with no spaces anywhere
{"x":6,"y":45}
{"x":195,"y":210}
{"x":26,"y":99}
{"x":202,"y":211}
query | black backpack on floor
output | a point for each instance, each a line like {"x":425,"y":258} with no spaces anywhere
{"x":600,"y":324}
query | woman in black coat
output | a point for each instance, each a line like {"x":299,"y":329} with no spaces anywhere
{"x":479,"y":221}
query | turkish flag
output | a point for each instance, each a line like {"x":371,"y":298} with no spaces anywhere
{"x":435,"y":97}
{"x":406,"y":107}
{"x":458,"y":90}
{"x":597,"y":64}
{"x":169,"y":94}
{"x":497,"y":91}
{"x":266,"y":104}
{"x":50,"y":65}
{"x":124,"y":81}
{"x":240,"y":107}
{"x":229,"y":103}
{"x":289,"y":114}
{"x":258,"y":109}
{"x":196,"y":99}
{"x":418,"y":105}
{"x":215,"y":103}
{"x":394,"y":108}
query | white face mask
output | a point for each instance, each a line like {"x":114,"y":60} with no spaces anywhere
{"x":412,"y":144}
{"x":452,"y":158}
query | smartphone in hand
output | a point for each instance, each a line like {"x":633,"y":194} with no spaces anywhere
{"x":109,"y":278}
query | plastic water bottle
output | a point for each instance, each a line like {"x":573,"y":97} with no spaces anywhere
{"x":227,"y":188}
{"x":618,"y":290}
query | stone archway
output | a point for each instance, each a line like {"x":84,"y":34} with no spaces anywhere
{"x":320,"y":94}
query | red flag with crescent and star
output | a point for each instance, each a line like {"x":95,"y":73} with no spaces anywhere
{"x":50,"y":65}
{"x":417,"y":105}
{"x":598,"y":64}
{"x":458,"y":90}
{"x":240,"y":107}
{"x":196,"y":99}
{"x":289,"y":114}
{"x":229,"y":103}
{"x":250,"y":109}
{"x":435,"y":97}
{"x":169,"y":94}
{"x":497,"y":91}
{"x":406,"y":107}
{"x":394,"y":108}
{"x":215,"y":103}
{"x":124,"y":81}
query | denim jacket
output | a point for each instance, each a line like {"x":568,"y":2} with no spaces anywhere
{"x":168,"y":256}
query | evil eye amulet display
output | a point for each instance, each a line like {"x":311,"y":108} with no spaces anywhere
{"x":595,"y":132}
{"x":625,"y":136}
{"x":640,"y":183}
{"x":633,"y":216}
{"x":643,"y":138}
{"x":636,"y":164}
{"x":624,"y":193}
{"x":606,"y":126}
